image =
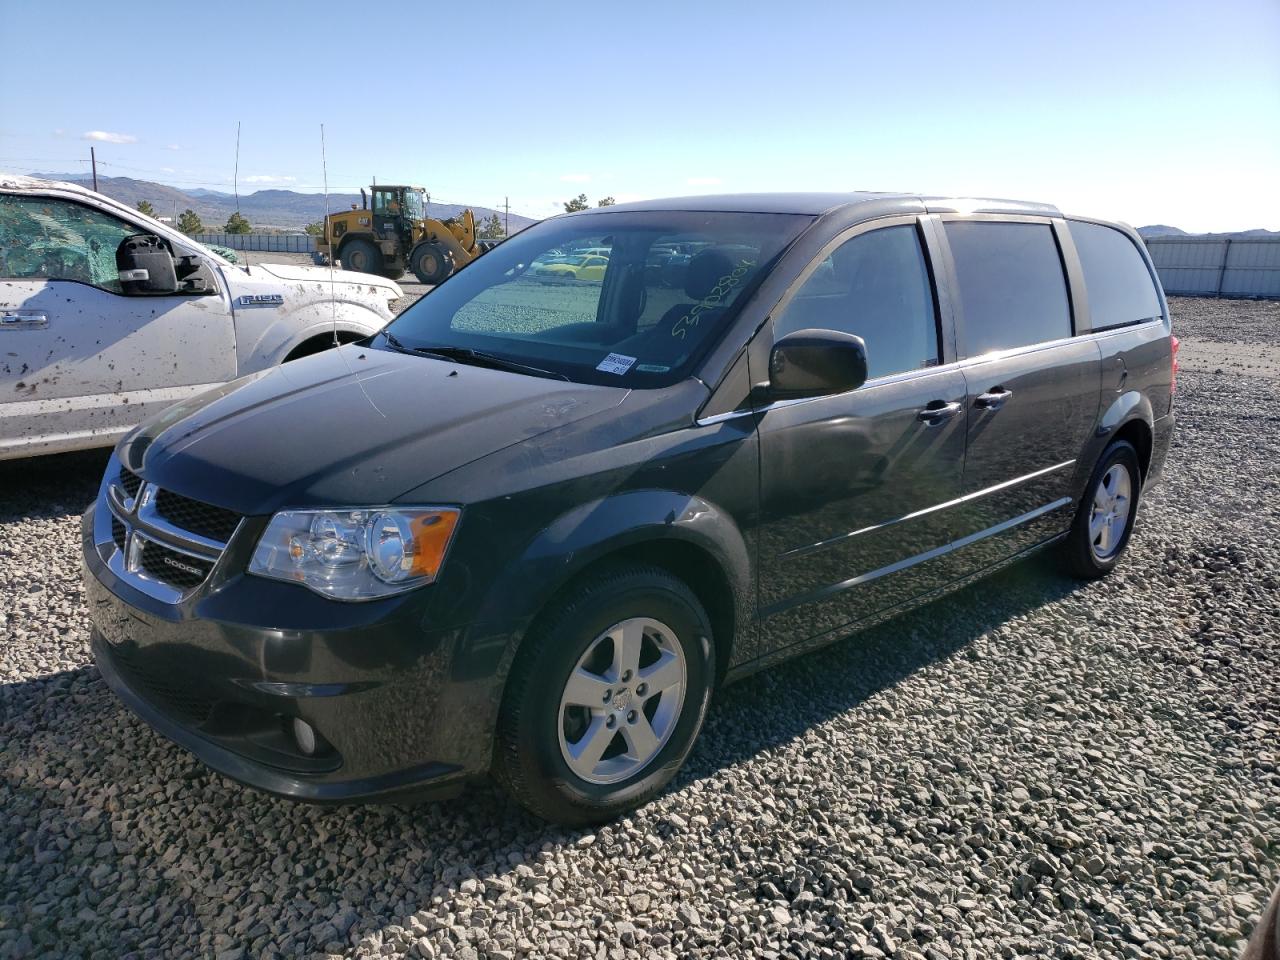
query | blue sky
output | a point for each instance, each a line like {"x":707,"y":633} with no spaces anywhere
{"x":1146,"y":112}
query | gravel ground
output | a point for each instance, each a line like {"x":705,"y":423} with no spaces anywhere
{"x":1030,"y":768}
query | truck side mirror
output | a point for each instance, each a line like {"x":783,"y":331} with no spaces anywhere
{"x":816,"y":363}
{"x":145,"y":265}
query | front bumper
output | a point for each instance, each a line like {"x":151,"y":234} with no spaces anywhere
{"x":372,"y":678}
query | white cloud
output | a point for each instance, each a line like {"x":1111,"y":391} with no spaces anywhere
{"x":173,"y":146}
{"x":167,"y":170}
{"x":265,"y":178}
{"x":576,"y":178}
{"x":703,"y":181}
{"x":106,"y":136}
{"x":59,"y":133}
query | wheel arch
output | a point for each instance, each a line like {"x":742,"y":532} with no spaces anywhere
{"x":322,"y":341}
{"x":1129,"y":416}
{"x":687,"y":536}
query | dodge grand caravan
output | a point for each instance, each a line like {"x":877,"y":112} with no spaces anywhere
{"x":529,"y":527}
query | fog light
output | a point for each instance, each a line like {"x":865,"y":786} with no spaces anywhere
{"x":305,"y":735}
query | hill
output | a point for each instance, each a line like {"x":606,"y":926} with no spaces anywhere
{"x":1163,"y":230}
{"x":265,"y":209}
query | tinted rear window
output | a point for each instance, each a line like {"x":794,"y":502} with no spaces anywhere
{"x":1116,"y":276}
{"x":1012,"y":288}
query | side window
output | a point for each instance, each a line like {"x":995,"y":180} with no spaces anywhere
{"x":42,"y":238}
{"x":1012,"y":288}
{"x":1116,"y":276}
{"x":875,"y":286}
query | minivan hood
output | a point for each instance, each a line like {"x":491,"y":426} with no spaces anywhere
{"x":347,"y":427}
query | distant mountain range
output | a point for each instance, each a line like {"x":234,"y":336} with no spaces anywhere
{"x":264,"y":209}
{"x":1164,"y":230}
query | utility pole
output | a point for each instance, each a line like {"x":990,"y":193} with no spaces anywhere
{"x":93,"y":161}
{"x":235,"y":178}
{"x":506,"y":216}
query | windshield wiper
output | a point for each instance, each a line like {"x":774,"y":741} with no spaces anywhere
{"x":481,"y":359}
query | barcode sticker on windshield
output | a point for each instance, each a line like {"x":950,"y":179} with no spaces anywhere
{"x":615,"y":363}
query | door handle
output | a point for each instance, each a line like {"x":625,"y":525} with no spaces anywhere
{"x":993,"y":399}
{"x":9,"y":321}
{"x":938,"y":411}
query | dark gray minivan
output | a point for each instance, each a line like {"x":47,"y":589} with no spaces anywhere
{"x":530,"y":526}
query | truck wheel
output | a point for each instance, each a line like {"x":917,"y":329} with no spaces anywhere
{"x":430,"y":263}
{"x":362,"y":256}
{"x":606,"y":698}
{"x":1104,"y":520}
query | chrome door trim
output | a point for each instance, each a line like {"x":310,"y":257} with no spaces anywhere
{"x":828,"y":591}
{"x":967,"y":498}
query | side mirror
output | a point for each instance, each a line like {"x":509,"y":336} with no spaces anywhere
{"x":816,"y":363}
{"x":145,"y":265}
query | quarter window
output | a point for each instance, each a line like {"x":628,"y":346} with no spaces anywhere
{"x":1012,"y":288}
{"x":46,"y":239}
{"x":1116,"y":276}
{"x":875,"y":286}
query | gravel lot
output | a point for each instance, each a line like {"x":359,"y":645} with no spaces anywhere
{"x":1029,"y":768}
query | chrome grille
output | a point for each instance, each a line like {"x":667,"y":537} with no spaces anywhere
{"x":164,"y":543}
{"x":172,"y":566}
{"x":205,"y":519}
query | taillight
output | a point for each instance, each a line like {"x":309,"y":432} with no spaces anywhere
{"x":1173,"y":374}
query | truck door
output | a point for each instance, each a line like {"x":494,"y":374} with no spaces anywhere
{"x":80,"y":361}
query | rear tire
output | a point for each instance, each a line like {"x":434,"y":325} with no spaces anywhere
{"x":362,"y":256}
{"x":1105,"y":517}
{"x":643,"y":720}
{"x":430,"y":263}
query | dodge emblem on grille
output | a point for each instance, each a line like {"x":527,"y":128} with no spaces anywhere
{"x":185,"y":567}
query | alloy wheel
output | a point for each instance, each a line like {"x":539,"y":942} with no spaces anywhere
{"x":1109,"y":516}
{"x":622,"y":701}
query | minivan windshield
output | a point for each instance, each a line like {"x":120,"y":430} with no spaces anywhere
{"x":631,"y":299}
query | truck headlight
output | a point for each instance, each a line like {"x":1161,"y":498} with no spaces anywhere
{"x":356,"y":554}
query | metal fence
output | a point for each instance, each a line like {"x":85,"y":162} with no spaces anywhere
{"x":1218,"y":266}
{"x":269,"y":242}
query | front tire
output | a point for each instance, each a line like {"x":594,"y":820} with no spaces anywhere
{"x":430,"y":263}
{"x":1105,"y":518}
{"x":606,"y":698}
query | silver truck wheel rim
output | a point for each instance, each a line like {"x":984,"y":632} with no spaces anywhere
{"x":1110,"y":513}
{"x":622,"y":701}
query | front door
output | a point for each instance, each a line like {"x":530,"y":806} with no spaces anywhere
{"x":79,"y":359}
{"x":852,"y":486}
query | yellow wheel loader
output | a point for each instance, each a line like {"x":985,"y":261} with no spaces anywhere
{"x":394,"y":234}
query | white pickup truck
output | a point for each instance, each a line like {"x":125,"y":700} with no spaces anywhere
{"x":107,"y":316}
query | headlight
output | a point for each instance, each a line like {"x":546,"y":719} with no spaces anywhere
{"x":356,"y":554}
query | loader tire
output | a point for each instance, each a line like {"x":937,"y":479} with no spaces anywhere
{"x":430,"y":264}
{"x":362,"y":256}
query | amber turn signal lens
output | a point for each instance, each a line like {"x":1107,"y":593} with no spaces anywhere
{"x":431,"y":535}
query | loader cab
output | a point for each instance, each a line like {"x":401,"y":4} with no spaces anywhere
{"x":397,"y":207}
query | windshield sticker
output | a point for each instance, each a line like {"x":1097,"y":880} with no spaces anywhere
{"x":652,"y":368}
{"x":615,"y":363}
{"x":723,"y":288}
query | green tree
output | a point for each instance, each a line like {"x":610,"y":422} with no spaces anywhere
{"x":237,"y":224}
{"x":577,"y":203}
{"x":607,"y":202}
{"x":491,"y":229}
{"x":144,"y":206}
{"x":189,"y":223}
{"x":315,"y":229}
